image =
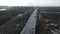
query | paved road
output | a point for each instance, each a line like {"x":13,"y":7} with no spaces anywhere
{"x":31,"y":24}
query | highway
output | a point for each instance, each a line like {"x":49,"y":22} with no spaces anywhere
{"x":31,"y":24}
{"x":27,"y":23}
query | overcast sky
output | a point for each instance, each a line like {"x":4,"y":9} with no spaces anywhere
{"x":29,"y":2}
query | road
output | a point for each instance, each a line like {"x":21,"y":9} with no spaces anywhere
{"x":31,"y":24}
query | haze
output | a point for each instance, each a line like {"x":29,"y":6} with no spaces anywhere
{"x":29,"y":2}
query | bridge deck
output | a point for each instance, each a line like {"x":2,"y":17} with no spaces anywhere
{"x":31,"y":24}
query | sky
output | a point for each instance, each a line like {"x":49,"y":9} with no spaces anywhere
{"x":29,"y":2}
